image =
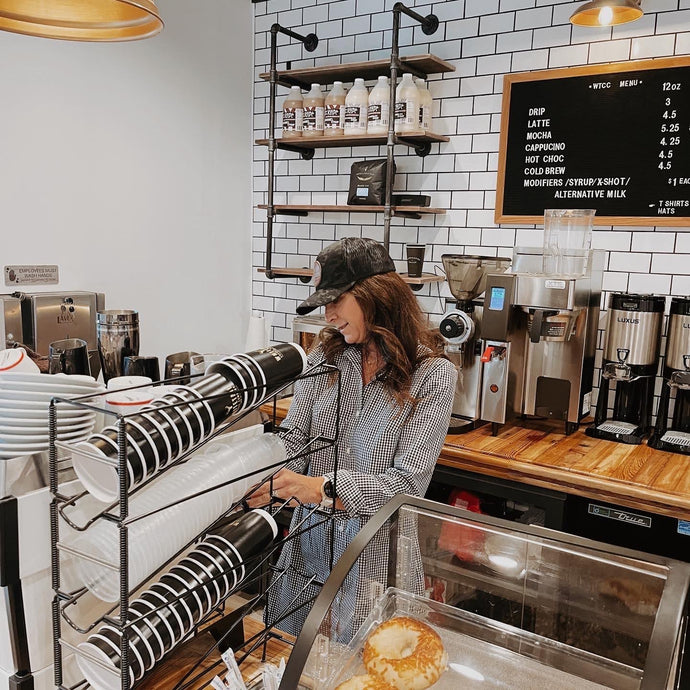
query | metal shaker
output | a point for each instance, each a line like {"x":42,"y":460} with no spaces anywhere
{"x":117,"y":331}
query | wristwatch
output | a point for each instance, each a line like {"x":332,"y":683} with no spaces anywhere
{"x":327,"y":494}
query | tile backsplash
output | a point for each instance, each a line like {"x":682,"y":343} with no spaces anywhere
{"x":483,"y":39}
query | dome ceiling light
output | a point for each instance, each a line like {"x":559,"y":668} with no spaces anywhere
{"x":607,"y":12}
{"x":82,"y":20}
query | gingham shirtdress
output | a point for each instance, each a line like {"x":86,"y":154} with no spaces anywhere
{"x":382,"y":451}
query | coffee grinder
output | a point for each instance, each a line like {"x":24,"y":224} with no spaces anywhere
{"x":631,"y":355}
{"x":461,"y":328}
{"x":675,"y":394}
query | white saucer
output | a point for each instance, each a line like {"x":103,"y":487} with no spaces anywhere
{"x":49,"y":387}
{"x":20,"y":412}
{"x":40,"y":426}
{"x":71,"y":379}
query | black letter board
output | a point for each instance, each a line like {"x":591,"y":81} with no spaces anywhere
{"x":615,"y":138}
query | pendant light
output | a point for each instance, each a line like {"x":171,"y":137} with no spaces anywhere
{"x":607,"y":12}
{"x":81,"y":20}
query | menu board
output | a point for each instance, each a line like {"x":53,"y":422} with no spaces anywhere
{"x":615,"y":138}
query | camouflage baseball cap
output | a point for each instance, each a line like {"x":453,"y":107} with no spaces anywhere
{"x":342,"y":264}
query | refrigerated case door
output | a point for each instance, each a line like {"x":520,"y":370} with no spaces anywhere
{"x":530,"y":608}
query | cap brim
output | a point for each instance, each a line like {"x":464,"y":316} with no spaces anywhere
{"x":322,"y":297}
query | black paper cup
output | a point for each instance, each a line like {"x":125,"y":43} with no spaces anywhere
{"x":179,"y":422}
{"x":168,"y":426}
{"x":199,"y":586}
{"x":175,"y":592}
{"x":136,"y":460}
{"x":152,"y":626}
{"x":157,"y":432}
{"x":105,"y":646}
{"x":140,"y":619}
{"x":165,"y":615}
{"x":190,"y":600}
{"x":278,"y":364}
{"x":213,"y":558}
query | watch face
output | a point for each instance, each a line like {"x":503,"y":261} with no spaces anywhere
{"x":328,"y":488}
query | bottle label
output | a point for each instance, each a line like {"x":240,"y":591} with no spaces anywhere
{"x":378,"y":114}
{"x":353,"y":117}
{"x":334,"y":116}
{"x":406,"y":112}
{"x":313,"y":118}
{"x":292,"y":119}
{"x":425,"y":117}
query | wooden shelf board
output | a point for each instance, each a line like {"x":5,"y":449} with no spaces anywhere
{"x":427,"y":64}
{"x":303,"y":272}
{"x":423,"y":279}
{"x":309,"y":143}
{"x":326,"y":208}
{"x":290,"y":272}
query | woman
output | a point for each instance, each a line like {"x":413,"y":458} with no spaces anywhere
{"x":396,"y":395}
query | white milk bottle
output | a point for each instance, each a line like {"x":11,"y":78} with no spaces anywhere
{"x":293,"y":113}
{"x":313,"y":112}
{"x":356,"y":107}
{"x":407,"y":106}
{"x":425,"y":105}
{"x":379,"y":107}
{"x":334,"y":118}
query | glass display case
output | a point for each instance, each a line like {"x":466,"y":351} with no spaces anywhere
{"x":515,"y":606}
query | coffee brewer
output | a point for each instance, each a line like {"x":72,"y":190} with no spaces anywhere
{"x":676,"y":373}
{"x":540,"y":333}
{"x":631,"y":356}
{"x":460,"y":326}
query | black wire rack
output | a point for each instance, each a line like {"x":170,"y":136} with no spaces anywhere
{"x":63,"y":511}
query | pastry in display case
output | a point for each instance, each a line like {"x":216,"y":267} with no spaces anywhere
{"x":522,"y":607}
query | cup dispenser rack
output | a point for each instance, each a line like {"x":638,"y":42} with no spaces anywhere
{"x":116,"y":622}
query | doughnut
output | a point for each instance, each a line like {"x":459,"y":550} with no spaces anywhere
{"x":365,"y":683}
{"x":406,"y":653}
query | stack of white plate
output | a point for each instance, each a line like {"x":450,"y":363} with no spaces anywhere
{"x":24,"y":405}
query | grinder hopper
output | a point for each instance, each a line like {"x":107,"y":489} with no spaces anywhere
{"x":466,"y":274}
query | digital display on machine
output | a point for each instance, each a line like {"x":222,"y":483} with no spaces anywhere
{"x":497,"y":298}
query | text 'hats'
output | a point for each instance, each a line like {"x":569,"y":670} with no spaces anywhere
{"x":342,"y":264}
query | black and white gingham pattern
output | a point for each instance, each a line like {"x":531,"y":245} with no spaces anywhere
{"x":382,"y":451}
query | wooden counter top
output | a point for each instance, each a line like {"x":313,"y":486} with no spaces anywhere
{"x":540,"y":454}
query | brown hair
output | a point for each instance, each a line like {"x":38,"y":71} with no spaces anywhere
{"x":396,"y":325}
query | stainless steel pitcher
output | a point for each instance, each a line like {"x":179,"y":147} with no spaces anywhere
{"x":118,"y":337}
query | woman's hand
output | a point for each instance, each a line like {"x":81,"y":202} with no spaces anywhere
{"x":286,"y":485}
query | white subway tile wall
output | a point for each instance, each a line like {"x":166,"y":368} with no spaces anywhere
{"x":483,"y":39}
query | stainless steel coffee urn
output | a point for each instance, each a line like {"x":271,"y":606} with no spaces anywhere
{"x":461,"y":328}
{"x":674,"y":404}
{"x":540,"y":335}
{"x":631,"y":357}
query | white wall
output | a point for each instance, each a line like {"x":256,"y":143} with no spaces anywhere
{"x":127,"y":164}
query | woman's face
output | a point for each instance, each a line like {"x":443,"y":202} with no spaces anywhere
{"x":347,"y":316}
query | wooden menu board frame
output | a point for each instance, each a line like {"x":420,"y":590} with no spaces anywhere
{"x":512,"y":148}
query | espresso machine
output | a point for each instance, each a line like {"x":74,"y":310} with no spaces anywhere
{"x":540,"y":333}
{"x":461,"y":328}
{"x":51,"y":316}
{"x":631,"y":355}
{"x":675,"y":394}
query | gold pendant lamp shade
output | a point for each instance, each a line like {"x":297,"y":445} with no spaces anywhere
{"x":607,"y":12}
{"x":82,"y":20}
